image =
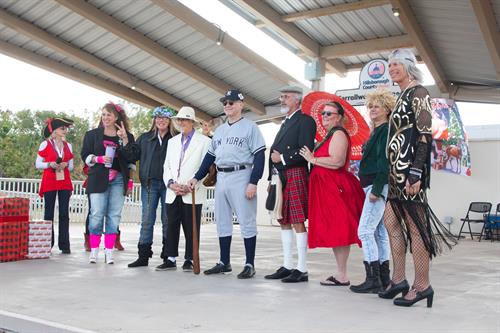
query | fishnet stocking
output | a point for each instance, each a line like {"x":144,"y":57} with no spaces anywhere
{"x":420,"y":254}
{"x":398,"y":244}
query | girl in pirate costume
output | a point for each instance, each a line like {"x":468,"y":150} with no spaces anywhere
{"x":408,"y":218}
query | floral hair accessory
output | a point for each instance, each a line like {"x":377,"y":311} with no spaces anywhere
{"x":164,"y":111}
{"x":117,"y":107}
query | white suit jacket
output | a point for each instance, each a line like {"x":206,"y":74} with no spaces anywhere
{"x":193,"y":157}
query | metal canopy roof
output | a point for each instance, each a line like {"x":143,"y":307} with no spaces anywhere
{"x":149,"y":52}
{"x":155,"y":52}
{"x":458,"y":40}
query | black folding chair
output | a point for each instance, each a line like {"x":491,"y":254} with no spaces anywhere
{"x":479,"y":212}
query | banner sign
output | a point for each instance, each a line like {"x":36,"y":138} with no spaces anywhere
{"x":374,"y":74}
{"x":450,"y":147}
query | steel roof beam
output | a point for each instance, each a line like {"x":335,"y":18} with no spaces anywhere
{"x":365,"y":47}
{"x":488,"y":25}
{"x":82,"y":57}
{"x":407,"y":18}
{"x":306,"y":44}
{"x":212,"y":32}
{"x":332,"y":10}
{"x":76,"y":75}
{"x":134,"y":37}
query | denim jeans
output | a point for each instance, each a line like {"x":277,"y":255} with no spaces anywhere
{"x":371,"y":229}
{"x":50,"y":202}
{"x":107,"y":205}
{"x":150,"y":196}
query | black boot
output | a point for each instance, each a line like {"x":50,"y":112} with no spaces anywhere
{"x":372,"y":282}
{"x":385,"y":274}
{"x":145,"y":253}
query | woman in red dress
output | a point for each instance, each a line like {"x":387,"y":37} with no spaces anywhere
{"x":335,"y":195}
{"x":55,"y":157}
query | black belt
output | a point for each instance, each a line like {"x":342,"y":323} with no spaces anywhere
{"x":231,"y":169}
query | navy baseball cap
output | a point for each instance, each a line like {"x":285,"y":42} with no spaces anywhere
{"x":232,"y":95}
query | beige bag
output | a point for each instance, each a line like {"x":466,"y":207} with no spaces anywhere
{"x":277,"y":213}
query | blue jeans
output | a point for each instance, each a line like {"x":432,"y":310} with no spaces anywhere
{"x":150,"y":195}
{"x":107,"y":205}
{"x":371,"y":229}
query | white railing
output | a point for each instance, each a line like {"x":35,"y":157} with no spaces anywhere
{"x":78,"y":205}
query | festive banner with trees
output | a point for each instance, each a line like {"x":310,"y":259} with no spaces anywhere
{"x":450,"y":148}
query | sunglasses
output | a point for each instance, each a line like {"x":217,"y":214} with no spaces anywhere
{"x":227,"y":102}
{"x":328,"y":113}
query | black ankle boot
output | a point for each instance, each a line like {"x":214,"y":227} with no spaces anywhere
{"x":385,"y":274}
{"x":394,"y":289}
{"x":420,"y":295}
{"x":372,"y":282}
{"x":145,"y":253}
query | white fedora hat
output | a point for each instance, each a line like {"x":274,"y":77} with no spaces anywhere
{"x":186,"y":112}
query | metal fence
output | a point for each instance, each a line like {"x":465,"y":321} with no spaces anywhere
{"x":78,"y":205}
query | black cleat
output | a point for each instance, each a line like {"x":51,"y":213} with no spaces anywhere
{"x":218,"y":269}
{"x":247,"y":272}
{"x":281,"y":273}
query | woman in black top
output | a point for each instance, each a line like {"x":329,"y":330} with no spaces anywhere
{"x":150,"y":150}
{"x":108,"y":177}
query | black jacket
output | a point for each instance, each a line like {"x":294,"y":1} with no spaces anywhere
{"x":142,"y":150}
{"x":98,"y":173}
{"x":294,"y":133}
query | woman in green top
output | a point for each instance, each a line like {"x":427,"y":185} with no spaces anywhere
{"x":373,"y":175}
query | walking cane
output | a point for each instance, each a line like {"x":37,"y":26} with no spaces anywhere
{"x":196,"y":247}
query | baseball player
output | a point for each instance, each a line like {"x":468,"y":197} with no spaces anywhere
{"x":297,"y":130}
{"x":237,"y":149}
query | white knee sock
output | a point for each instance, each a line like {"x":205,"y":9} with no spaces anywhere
{"x":286,"y":241}
{"x":302,"y":251}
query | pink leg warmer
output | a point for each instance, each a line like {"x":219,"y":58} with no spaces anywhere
{"x":95,"y":241}
{"x":109,"y":241}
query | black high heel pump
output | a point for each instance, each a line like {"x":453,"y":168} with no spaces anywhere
{"x":394,"y":289}
{"x":424,"y":294}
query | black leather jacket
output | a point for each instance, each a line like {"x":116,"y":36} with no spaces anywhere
{"x":142,"y":150}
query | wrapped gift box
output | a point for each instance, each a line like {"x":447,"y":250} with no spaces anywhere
{"x":14,"y":216}
{"x":39,"y":239}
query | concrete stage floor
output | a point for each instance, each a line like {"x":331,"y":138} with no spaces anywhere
{"x":66,"y":294}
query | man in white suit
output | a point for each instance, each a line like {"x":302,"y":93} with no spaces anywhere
{"x":185,"y":153}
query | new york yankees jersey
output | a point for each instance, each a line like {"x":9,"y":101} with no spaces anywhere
{"x":236,"y":144}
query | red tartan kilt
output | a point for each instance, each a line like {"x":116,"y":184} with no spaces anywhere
{"x":295,"y":196}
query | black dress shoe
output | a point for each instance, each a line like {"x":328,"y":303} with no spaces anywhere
{"x":247,"y":272}
{"x":187,"y":266}
{"x":296,"y":276}
{"x":394,"y":289}
{"x":218,"y":269}
{"x":281,"y":273}
{"x":424,"y":294}
{"x":166,"y":266}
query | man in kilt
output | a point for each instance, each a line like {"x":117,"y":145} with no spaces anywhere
{"x":296,"y":131}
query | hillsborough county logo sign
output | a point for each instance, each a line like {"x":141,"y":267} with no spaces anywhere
{"x":374,"y":75}
{"x":376,"y":70}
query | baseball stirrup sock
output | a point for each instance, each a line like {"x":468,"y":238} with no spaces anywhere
{"x":302,"y":251}
{"x":286,"y":242}
{"x":250,"y":244}
{"x":225,"y":249}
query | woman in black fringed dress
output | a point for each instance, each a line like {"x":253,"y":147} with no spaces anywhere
{"x":408,"y":218}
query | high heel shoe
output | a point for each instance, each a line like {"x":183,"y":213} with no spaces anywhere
{"x":394,"y":289}
{"x":420,"y":295}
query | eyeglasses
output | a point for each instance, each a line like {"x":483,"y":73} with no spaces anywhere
{"x":227,"y":102}
{"x":328,"y":113}
{"x":283,"y":97}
